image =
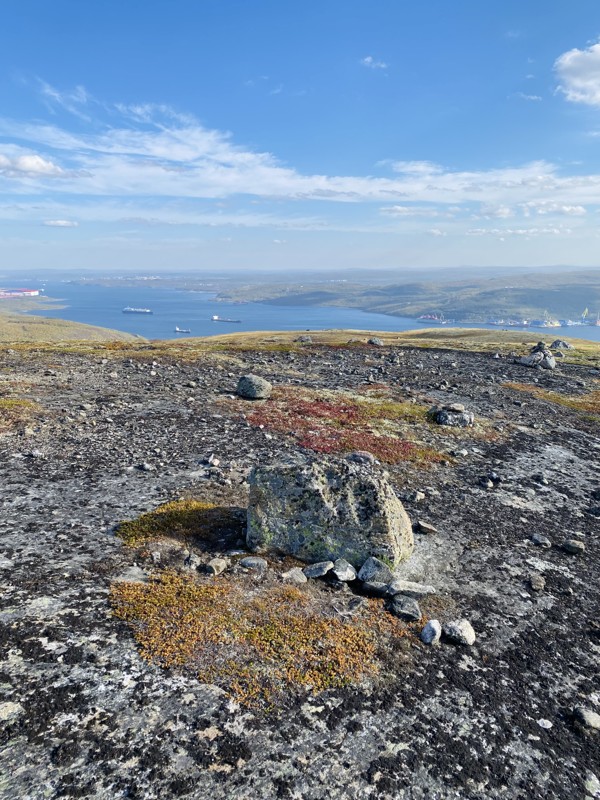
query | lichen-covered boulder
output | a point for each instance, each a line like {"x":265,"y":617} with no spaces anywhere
{"x":325,"y":509}
{"x":253,"y":387}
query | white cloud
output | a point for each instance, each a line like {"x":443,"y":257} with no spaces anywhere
{"x":417,"y":211}
{"x":549,"y":208}
{"x":497,"y":212}
{"x":579,"y":74}
{"x":60,"y":223}
{"x":437,"y":232}
{"x":30,"y":165}
{"x":526,"y":232}
{"x":415,"y":167}
{"x":372,"y":63}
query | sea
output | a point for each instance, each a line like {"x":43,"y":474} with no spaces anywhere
{"x":172,"y":308}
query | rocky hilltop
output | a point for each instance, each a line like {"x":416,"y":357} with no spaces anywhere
{"x":149,"y":650}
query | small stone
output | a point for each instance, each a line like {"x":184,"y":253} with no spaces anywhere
{"x":541,"y":541}
{"x":587,"y":717}
{"x":374,"y":588}
{"x":254,"y":562}
{"x":545,"y":724}
{"x":304,"y":339}
{"x":375,"y":570}
{"x":416,"y":496}
{"x":253,"y":387}
{"x":410,"y":589}
{"x":432,"y":632}
{"x":537,"y":582}
{"x":217,"y":565}
{"x":318,"y":570}
{"x":295,"y":576}
{"x":573,"y":546}
{"x":425,"y":527}
{"x":376,"y":341}
{"x":486,"y":483}
{"x":405,"y":608}
{"x":460,"y":631}
{"x":343,"y":570}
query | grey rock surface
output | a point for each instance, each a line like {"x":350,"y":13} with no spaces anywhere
{"x":325,"y":509}
{"x":83,"y":715}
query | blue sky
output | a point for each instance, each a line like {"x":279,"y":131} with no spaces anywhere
{"x":154,"y":135}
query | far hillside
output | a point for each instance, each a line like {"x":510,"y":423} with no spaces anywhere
{"x":524,"y":296}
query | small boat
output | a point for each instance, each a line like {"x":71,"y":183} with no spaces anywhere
{"x":217,"y":318}
{"x":182,"y":330}
{"x":132,"y":310}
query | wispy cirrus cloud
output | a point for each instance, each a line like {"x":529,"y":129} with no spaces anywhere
{"x":152,"y":164}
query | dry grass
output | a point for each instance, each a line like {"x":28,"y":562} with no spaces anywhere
{"x":587,"y":404}
{"x":259,"y":643}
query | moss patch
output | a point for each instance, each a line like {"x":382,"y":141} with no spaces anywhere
{"x":259,"y":644}
{"x":180,"y":519}
{"x":15,"y":412}
{"x":587,"y":404}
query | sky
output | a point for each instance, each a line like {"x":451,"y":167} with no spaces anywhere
{"x":260,"y":134}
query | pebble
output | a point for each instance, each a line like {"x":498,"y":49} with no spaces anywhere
{"x":217,"y":565}
{"x":545,"y":724}
{"x":460,"y":631}
{"x":425,"y":527}
{"x":410,"y":589}
{"x":405,"y":608}
{"x":295,"y":575}
{"x":537,"y":582}
{"x":541,"y":541}
{"x":254,"y":562}
{"x":432,"y":632}
{"x":375,"y":570}
{"x":486,"y":483}
{"x":343,"y":570}
{"x":587,"y":717}
{"x":374,"y":588}
{"x":318,"y":570}
{"x":573,"y":546}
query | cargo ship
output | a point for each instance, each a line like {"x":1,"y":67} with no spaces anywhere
{"x":131,"y":310}
{"x":217,"y":318}
{"x":182,"y":330}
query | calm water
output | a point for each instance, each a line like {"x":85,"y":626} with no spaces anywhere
{"x":102,"y":305}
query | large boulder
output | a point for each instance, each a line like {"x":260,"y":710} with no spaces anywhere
{"x":560,"y":344}
{"x":325,"y":509}
{"x":453,"y":415}
{"x":253,"y":387}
